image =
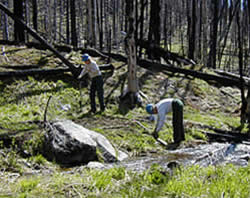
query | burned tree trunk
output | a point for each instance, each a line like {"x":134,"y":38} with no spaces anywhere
{"x":18,"y":12}
{"x":132,"y":89}
{"x":32,"y":72}
{"x":73,"y":69}
{"x":165,"y":54}
{"x":242,"y":89}
{"x":157,"y":67}
{"x":154,"y":35}
{"x":73,"y":23}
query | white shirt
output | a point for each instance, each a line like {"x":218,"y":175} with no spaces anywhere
{"x":163,"y":107}
{"x":92,"y":69}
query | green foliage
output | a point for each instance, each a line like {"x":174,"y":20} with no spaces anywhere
{"x":34,"y":145}
{"x":24,"y":100}
{"x":193,"y":181}
{"x":210,"y":182}
{"x":192,"y":134}
{"x":9,"y":162}
{"x":157,"y":175}
{"x":101,"y":180}
{"x":28,"y":185}
{"x":118,"y":173}
{"x":38,"y":159}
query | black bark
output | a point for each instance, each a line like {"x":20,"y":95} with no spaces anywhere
{"x":213,"y":38}
{"x":167,"y":55}
{"x":73,"y":69}
{"x":44,"y":72}
{"x":34,"y":5}
{"x":154,"y":28}
{"x":157,"y":67}
{"x":19,"y":33}
{"x":73,"y":23}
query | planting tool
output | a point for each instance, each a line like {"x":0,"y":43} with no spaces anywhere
{"x":162,"y":142}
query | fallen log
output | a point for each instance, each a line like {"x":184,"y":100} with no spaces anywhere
{"x":43,"y":72}
{"x":220,"y":137}
{"x":167,"y":55}
{"x":217,"y":131}
{"x":32,"y":72}
{"x":243,"y":136}
{"x":227,"y":80}
{"x":157,"y":67}
{"x":105,"y":67}
{"x":32,"y":32}
{"x":232,"y":75}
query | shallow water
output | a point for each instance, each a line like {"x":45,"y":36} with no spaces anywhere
{"x":203,"y":155}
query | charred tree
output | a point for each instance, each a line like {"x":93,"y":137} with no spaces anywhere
{"x":154,"y":35}
{"x":67,"y":22}
{"x":99,"y":19}
{"x":34,"y":18}
{"x":73,"y":69}
{"x":73,"y":23}
{"x":19,"y":32}
{"x":132,"y":89}
{"x":192,"y":29}
{"x":141,"y":22}
{"x":213,"y":35}
{"x":4,"y":23}
{"x":163,"y":53}
{"x":240,"y":57}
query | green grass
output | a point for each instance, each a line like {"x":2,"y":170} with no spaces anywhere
{"x":227,"y":181}
{"x":23,"y":101}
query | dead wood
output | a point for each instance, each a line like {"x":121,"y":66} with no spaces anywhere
{"x":46,"y":110}
{"x":232,"y":75}
{"x":7,"y":42}
{"x":32,"y":72}
{"x":226,"y":80}
{"x":157,"y":67}
{"x":32,"y":32}
{"x":165,"y":54}
{"x":226,"y":137}
{"x":43,"y":72}
{"x":105,"y":67}
{"x":220,"y":135}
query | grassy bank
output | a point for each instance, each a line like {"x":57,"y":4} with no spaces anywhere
{"x":22,"y":108}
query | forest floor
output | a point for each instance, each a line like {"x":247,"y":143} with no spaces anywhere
{"x":26,"y":173}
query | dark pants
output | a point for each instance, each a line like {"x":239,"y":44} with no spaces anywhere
{"x":97,"y":86}
{"x":177,"y":106}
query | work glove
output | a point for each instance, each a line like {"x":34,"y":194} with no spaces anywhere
{"x":155,"y":135}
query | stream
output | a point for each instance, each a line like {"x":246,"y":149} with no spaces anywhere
{"x":203,"y":155}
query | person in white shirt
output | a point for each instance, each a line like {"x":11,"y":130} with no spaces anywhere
{"x":96,"y":81}
{"x":161,"y":109}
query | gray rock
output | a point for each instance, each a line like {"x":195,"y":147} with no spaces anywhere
{"x":96,"y":165}
{"x":69,"y":143}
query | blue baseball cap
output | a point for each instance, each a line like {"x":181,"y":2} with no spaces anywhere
{"x":85,"y":57}
{"x":149,"y":108}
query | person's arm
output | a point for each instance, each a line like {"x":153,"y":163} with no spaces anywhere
{"x":83,"y":72}
{"x":159,"y":124}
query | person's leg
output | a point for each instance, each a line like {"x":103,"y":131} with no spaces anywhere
{"x":92,"y":95}
{"x":178,"y":121}
{"x":100,"y":92}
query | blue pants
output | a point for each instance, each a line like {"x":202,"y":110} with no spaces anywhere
{"x":97,"y":86}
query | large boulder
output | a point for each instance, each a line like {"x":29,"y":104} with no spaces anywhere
{"x":69,"y":143}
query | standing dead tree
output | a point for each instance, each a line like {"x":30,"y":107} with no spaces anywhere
{"x":72,"y":68}
{"x":133,"y":88}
